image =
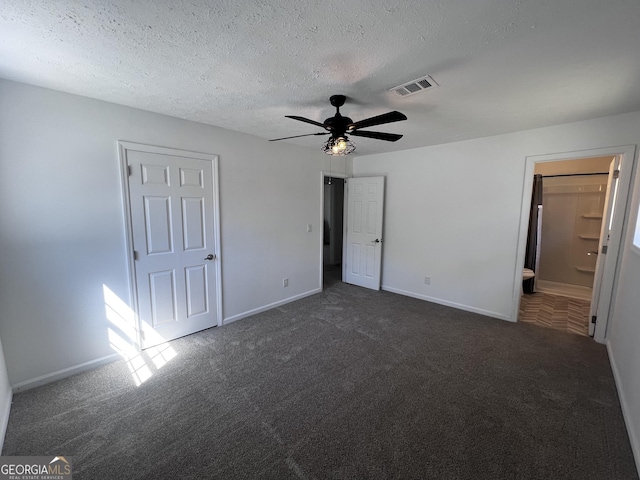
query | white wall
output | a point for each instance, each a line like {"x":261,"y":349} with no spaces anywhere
{"x":61,"y":218}
{"x":5,"y":397}
{"x":453,"y":213}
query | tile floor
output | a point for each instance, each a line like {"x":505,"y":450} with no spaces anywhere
{"x":557,"y":312}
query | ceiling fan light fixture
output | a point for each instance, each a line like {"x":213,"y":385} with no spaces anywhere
{"x":338,"y":126}
{"x":338,"y":146}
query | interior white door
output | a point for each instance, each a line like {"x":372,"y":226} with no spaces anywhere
{"x":363,"y":256}
{"x":599,"y":299}
{"x":174,"y":235}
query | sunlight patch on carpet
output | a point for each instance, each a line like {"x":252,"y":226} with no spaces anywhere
{"x":124,"y":339}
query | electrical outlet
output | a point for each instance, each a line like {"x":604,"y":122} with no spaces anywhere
{"x":427,"y":280}
{"x":285,"y":282}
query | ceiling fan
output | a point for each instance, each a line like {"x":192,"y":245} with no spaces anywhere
{"x":338,"y":127}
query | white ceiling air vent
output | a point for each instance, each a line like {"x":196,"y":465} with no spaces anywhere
{"x":415,"y":86}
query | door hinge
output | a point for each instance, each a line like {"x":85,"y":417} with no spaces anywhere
{"x":129,"y":170}
{"x":135,"y":255}
{"x":142,"y":335}
{"x":593,"y":319}
{"x":616,"y":174}
{"x":604,"y":249}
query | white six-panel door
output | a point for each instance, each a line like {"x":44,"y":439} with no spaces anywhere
{"x":363,"y":256}
{"x":172,"y":203}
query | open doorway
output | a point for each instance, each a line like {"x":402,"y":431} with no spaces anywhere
{"x":570,"y":196}
{"x":602,"y":267}
{"x":333,"y":229}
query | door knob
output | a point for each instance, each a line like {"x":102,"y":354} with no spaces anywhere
{"x":377,"y":240}
{"x":211,"y":256}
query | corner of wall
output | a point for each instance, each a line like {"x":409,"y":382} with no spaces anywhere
{"x":6,"y":395}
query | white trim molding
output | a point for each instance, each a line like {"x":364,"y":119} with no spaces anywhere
{"x":65,"y":372}
{"x":626,"y":412}
{"x":447,"y":303}
{"x":264,"y":308}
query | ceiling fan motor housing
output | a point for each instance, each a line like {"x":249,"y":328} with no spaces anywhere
{"x":337,"y":125}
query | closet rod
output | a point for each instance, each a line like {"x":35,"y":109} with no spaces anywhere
{"x":575,"y":174}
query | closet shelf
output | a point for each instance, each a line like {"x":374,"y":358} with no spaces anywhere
{"x":585,"y":236}
{"x":592,"y":215}
{"x":586,"y":269}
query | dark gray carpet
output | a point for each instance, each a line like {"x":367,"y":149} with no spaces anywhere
{"x":346,"y":384}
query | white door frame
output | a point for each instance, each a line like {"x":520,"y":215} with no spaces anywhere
{"x":323,"y":174}
{"x":603,"y":242}
{"x":618,"y":230}
{"x":123,"y":147}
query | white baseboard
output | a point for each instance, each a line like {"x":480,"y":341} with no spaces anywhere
{"x":264,"y":308}
{"x":447,"y":303}
{"x":626,"y":413}
{"x":5,"y":410}
{"x":66,"y":372}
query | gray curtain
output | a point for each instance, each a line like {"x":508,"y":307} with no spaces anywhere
{"x":532,"y":238}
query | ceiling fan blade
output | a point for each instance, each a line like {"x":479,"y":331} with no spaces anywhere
{"x":306,"y":120}
{"x":389,"y":137}
{"x":296,"y":136}
{"x":378,"y":120}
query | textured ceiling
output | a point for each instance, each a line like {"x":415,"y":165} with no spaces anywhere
{"x":502,"y":65}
